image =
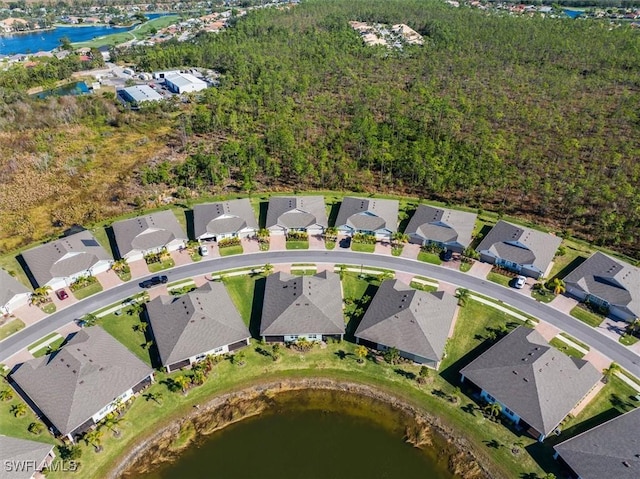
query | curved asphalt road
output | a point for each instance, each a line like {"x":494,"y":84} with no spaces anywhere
{"x":609,"y":347}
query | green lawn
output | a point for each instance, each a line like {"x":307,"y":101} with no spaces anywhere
{"x":574,"y":340}
{"x":464,"y":267}
{"x":543,"y":295}
{"x":138,"y":33}
{"x":48,"y":308}
{"x":124,"y":276}
{"x":330,"y":245}
{"x":87,"y":291}
{"x":122,"y":326}
{"x":585,"y":316}
{"x":292,"y":244}
{"x":11,"y":327}
{"x":242,"y":289}
{"x":363,"y":247}
{"x":499,"y":278}
{"x":628,"y":339}
{"x":431,"y":258}
{"x":423,"y":287}
{"x":161,"y":266}
{"x":231,"y":250}
{"x":17,"y":426}
{"x":396,"y":250}
{"x":53,"y":346}
{"x":33,"y":346}
{"x":565,"y":348}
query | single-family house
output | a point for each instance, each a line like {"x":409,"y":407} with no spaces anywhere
{"x":296,"y":213}
{"x":608,"y":450}
{"x":13,"y":293}
{"x":371,"y":216}
{"x":536,"y":385}
{"x":518,"y":248}
{"x":450,"y":229}
{"x":415,"y":322}
{"x":147,"y":234}
{"x":297,"y":307}
{"x":189,"y":328}
{"x":59,"y":263}
{"x":225,"y":219}
{"x":607,"y":282}
{"x":22,"y":458}
{"x":75,"y":387}
{"x":184,"y":83}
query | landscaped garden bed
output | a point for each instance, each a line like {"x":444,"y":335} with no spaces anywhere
{"x":159,"y":261}
{"x":230,"y":246}
{"x":297,"y":240}
{"x":85,"y":286}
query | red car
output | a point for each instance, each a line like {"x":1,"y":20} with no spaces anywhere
{"x":62,"y":294}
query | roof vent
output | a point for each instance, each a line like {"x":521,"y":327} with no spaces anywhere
{"x":515,"y":372}
{"x":626,"y":464}
{"x":525,"y":380}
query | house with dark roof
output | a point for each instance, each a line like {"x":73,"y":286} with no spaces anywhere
{"x":137,"y":237}
{"x":297,"y":307}
{"x":608,"y":450}
{"x":13,"y":293}
{"x":607,"y":282}
{"x":195,"y":325}
{"x":59,"y":263}
{"x":296,"y":213}
{"x":371,"y":216}
{"x":450,"y":229}
{"x":22,"y":459}
{"x":225,"y":219}
{"x":518,"y":248}
{"x":75,"y":387}
{"x":414,"y":322}
{"x":536,"y":385}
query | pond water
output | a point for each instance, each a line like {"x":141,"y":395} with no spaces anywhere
{"x":78,"y":88}
{"x":49,"y":39}
{"x":310,"y":434}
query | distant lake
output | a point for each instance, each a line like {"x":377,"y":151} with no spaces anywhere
{"x":78,"y":88}
{"x":49,"y":39}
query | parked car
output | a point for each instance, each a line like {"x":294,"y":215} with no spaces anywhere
{"x":204,"y":251}
{"x":148,"y":283}
{"x":447,"y":255}
{"x":345,"y":242}
{"x":62,"y":294}
{"x":520,"y":282}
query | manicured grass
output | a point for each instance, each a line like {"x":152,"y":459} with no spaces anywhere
{"x":35,"y":345}
{"x":363,"y":247}
{"x":565,"y":348}
{"x":53,"y":346}
{"x":48,"y":308}
{"x":464,"y":267}
{"x":87,"y":291}
{"x":138,"y":33}
{"x":628,"y":339}
{"x":124,"y":276}
{"x":574,"y":340}
{"x":242,"y":289}
{"x":423,"y":287}
{"x":499,"y":278}
{"x":585,"y":316}
{"x":303,"y":272}
{"x":297,"y":244}
{"x":17,"y":426}
{"x":231,"y":250}
{"x":181,"y":283}
{"x":330,"y":245}
{"x":11,"y":327}
{"x":122,"y":327}
{"x":542,"y":295}
{"x":431,"y":258}
{"x":162,"y":265}
{"x":396,"y":250}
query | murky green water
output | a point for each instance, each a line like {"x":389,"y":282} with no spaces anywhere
{"x":310,"y":434}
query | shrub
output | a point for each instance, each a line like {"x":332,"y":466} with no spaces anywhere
{"x":225,"y":243}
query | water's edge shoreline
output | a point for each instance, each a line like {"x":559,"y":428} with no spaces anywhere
{"x":226,"y":409}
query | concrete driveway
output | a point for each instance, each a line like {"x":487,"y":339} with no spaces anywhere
{"x":316,"y":242}
{"x":138,"y":269}
{"x":480,"y":270}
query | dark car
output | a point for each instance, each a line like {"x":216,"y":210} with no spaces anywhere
{"x":345,"y":242}
{"x":62,"y":294}
{"x":147,"y":283}
{"x":447,"y":255}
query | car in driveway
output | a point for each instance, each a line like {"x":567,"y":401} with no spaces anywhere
{"x":519,"y":282}
{"x":204,"y":251}
{"x":62,"y":294}
{"x":447,"y":255}
{"x":345,"y":242}
{"x":155,"y":280}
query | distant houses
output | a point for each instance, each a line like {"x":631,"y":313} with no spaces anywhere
{"x":75,"y":387}
{"x":414,"y":322}
{"x":446,"y":228}
{"x":13,"y":293}
{"x":23,"y":459}
{"x":137,"y":237}
{"x":297,"y":307}
{"x":536,"y":385}
{"x":608,"y":450}
{"x":518,"y":248}
{"x":609,"y":283}
{"x":296,"y":213}
{"x":225,"y":219}
{"x":197,"y":324}
{"x":371,"y":216}
{"x":59,"y":263}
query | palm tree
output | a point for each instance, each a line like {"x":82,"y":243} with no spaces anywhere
{"x":89,"y":319}
{"x":111,"y":421}
{"x":392,"y":355}
{"x":558,"y":286}
{"x":156,"y":397}
{"x":135,"y":309}
{"x":19,"y":410}
{"x":386,"y":275}
{"x":197,"y":377}
{"x":239,"y":358}
{"x":463,"y":295}
{"x":35,"y":428}
{"x":517,"y":446}
{"x":493,"y":409}
{"x":182,"y":382}
{"x":611,"y":371}
{"x":634,"y":326}
{"x":141,"y":327}
{"x":267,"y":269}
{"x":40,"y":294}
{"x":399,"y":238}
{"x":93,"y":437}
{"x":6,"y":395}
{"x":361,"y":353}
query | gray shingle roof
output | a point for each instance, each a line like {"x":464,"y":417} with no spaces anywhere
{"x":64,"y":257}
{"x":520,"y":245}
{"x":88,"y":373}
{"x":610,"y":450}
{"x":442,"y":225}
{"x":412,"y":321}
{"x":22,"y":451}
{"x":368,"y":214}
{"x":302,"y":304}
{"x":223,"y":218}
{"x":296,"y":211}
{"x":536,"y":381}
{"x":195,"y":323}
{"x":609,"y":279}
{"x":10,"y":287}
{"x":147,"y":232}
{"x":142,"y":93}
